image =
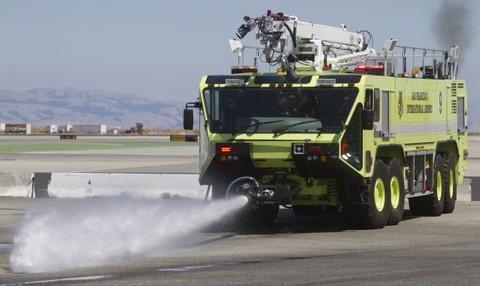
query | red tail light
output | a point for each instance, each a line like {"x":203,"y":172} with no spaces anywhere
{"x":226,"y":149}
{"x":314,"y":149}
{"x":344,"y":146}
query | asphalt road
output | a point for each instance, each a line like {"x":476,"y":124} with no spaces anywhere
{"x":296,"y":251}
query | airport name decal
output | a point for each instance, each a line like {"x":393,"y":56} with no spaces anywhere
{"x":419,"y":108}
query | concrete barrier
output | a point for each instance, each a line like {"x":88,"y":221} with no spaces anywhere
{"x":16,"y":184}
{"x":81,"y":185}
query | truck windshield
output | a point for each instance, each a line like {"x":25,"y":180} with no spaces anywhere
{"x":278,"y":110}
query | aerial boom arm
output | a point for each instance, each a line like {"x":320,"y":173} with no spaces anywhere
{"x":312,"y":44}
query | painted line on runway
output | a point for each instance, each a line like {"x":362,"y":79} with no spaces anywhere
{"x":69,"y":279}
{"x":4,"y":247}
{"x":186,"y":268}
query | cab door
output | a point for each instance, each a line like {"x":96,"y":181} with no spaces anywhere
{"x":381,"y":116}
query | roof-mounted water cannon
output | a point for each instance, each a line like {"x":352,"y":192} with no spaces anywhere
{"x":236,"y":47}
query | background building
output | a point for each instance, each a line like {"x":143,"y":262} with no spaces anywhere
{"x":89,"y":129}
{"x":22,"y":128}
{"x":52,"y":128}
{"x":65,"y":128}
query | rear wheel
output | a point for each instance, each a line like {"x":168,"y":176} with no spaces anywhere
{"x":372,"y":211}
{"x":450,"y":183}
{"x":397,"y":192}
{"x":431,"y":205}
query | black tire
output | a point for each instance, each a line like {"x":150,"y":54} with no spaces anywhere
{"x":396,"y":188}
{"x":371,"y":212}
{"x":307,"y":210}
{"x":450,"y":181}
{"x":252,"y":216}
{"x":219,"y":190}
{"x":431,"y":205}
{"x":332,"y":210}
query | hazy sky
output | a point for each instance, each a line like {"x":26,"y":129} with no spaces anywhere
{"x":161,"y":48}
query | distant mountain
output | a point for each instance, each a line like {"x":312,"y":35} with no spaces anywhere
{"x":43,"y":106}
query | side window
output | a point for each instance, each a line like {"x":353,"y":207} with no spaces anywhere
{"x":376,"y":105}
{"x":351,"y":146}
{"x":211,"y":99}
{"x":368,"y":99}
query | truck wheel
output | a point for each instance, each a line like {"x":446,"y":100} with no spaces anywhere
{"x":258,"y":216}
{"x":332,"y":209}
{"x":450,"y":182}
{"x":373,"y":211}
{"x":219,"y":190}
{"x":266,"y":215}
{"x":431,"y":205}
{"x":307,"y":210}
{"x":396,"y":181}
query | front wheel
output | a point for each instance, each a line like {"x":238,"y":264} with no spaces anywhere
{"x":219,"y":190}
{"x":254,"y":216}
{"x":372,"y":210}
{"x":307,"y":210}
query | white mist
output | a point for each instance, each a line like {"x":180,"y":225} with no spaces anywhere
{"x":77,"y":233}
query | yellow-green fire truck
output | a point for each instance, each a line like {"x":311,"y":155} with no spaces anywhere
{"x":337,"y":127}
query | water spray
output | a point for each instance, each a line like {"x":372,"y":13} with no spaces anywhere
{"x":88,"y":232}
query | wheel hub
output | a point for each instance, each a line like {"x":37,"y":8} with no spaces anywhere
{"x":439,"y":185}
{"x":379,"y":195}
{"x":395,"y":192}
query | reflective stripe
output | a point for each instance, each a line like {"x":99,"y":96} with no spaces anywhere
{"x":416,"y":128}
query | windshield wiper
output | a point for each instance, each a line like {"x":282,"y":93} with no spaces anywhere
{"x":339,"y":113}
{"x":281,"y":130}
{"x":256,"y":124}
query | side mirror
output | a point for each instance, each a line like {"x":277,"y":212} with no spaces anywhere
{"x":187,"y":119}
{"x":367,"y":119}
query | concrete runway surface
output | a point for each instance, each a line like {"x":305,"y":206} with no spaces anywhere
{"x":297,"y":250}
